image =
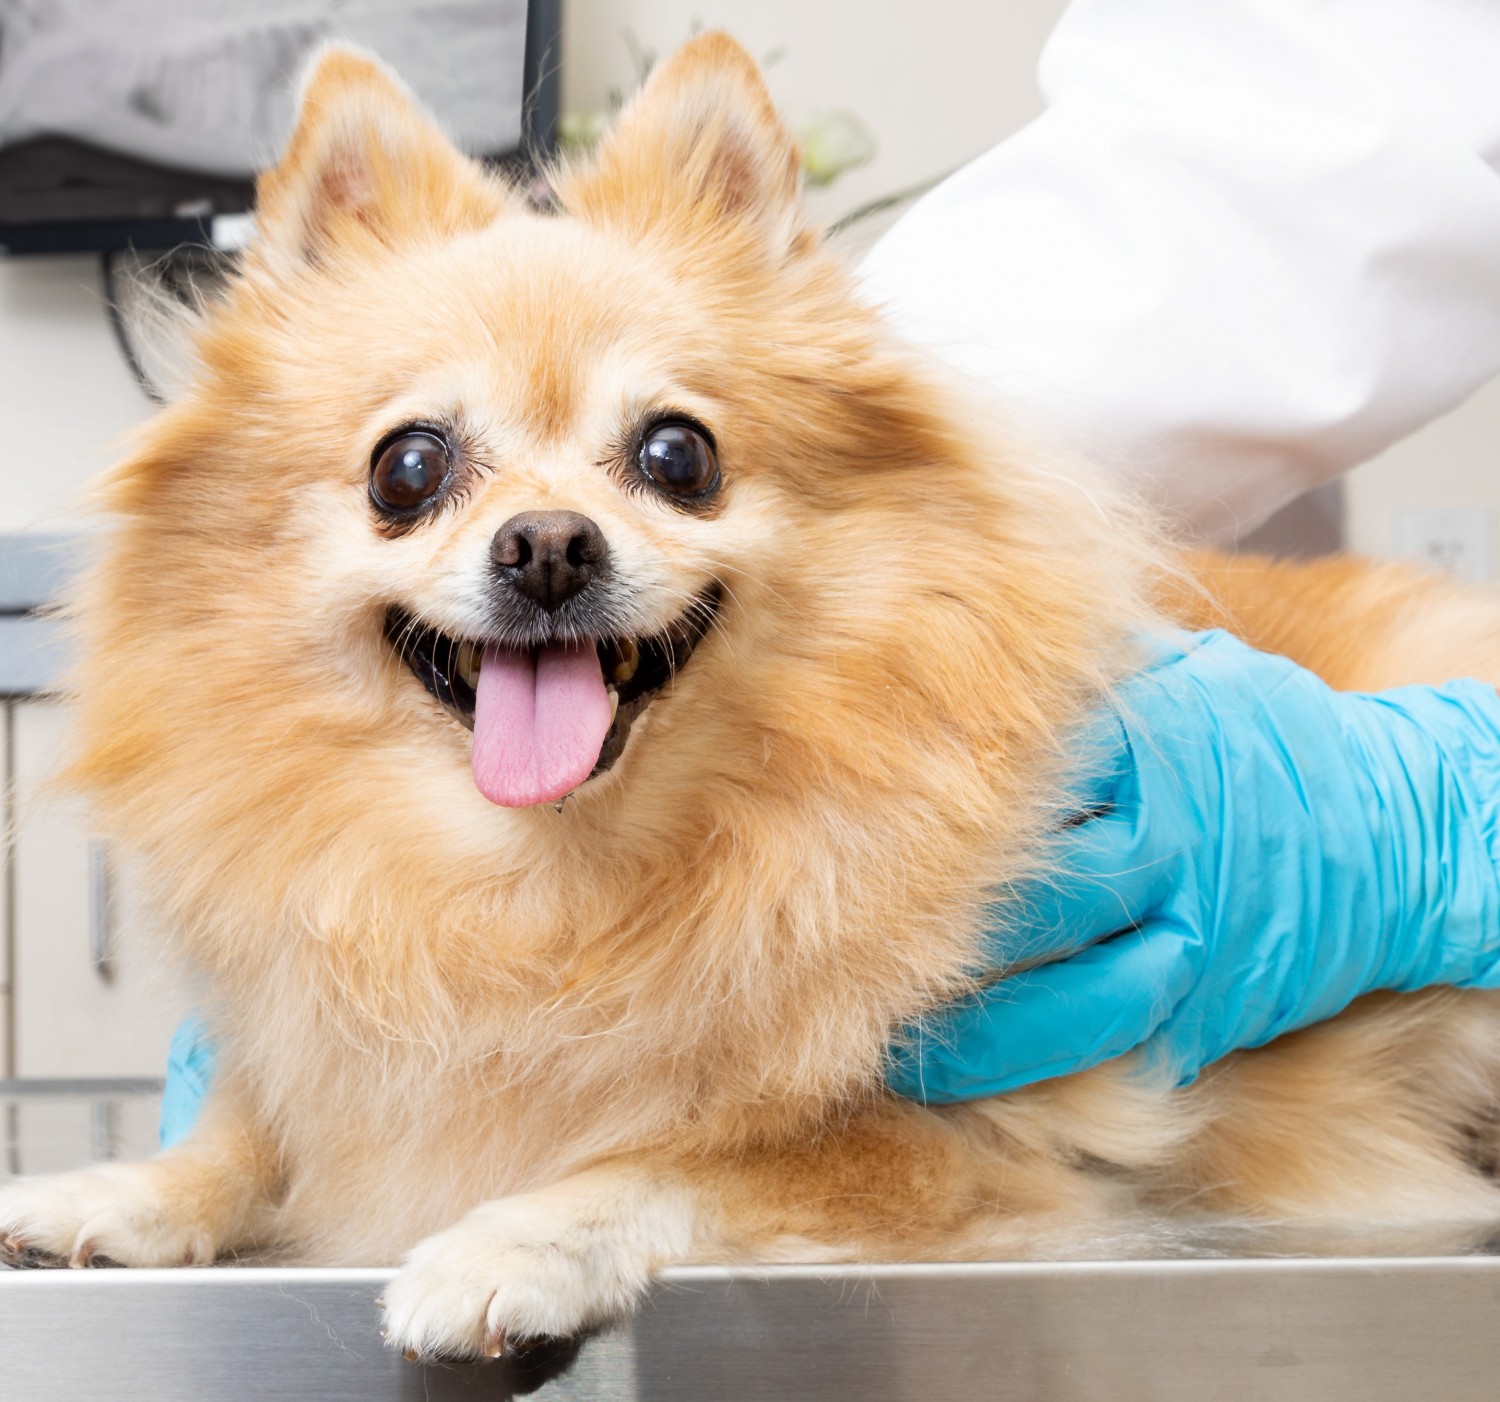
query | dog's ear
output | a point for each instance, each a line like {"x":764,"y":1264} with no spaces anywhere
{"x":366,"y":162}
{"x":700,"y":145}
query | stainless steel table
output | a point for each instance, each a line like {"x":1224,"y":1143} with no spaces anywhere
{"x":1365,"y":1329}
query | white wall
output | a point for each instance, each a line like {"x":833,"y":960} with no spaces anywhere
{"x":65,"y":394}
{"x":936,"y":82}
{"x":1453,"y":465}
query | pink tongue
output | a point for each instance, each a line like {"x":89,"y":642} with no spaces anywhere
{"x":539,"y":723}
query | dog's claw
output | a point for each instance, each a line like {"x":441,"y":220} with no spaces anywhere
{"x":494,"y":1341}
{"x":82,"y":1255}
{"x":411,"y":1355}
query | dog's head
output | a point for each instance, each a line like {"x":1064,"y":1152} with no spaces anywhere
{"x":512,"y":440}
{"x":469,"y":507}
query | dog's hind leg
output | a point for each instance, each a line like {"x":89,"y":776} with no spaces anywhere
{"x":1386,"y":1114}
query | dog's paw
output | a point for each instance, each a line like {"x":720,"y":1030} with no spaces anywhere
{"x":116,"y":1213}
{"x":523,"y":1268}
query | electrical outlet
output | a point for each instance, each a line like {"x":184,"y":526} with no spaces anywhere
{"x":1455,"y":541}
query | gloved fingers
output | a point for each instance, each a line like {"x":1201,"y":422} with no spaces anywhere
{"x":1140,"y":819}
{"x":1049,"y":1021}
{"x":1107,"y":880}
{"x":1101,"y":762}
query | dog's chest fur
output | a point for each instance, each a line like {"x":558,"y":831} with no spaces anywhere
{"x":399,"y":1094}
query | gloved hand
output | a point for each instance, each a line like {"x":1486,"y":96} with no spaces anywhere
{"x":1265,"y":851}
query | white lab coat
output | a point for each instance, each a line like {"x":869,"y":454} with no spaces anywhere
{"x":1248,"y":244}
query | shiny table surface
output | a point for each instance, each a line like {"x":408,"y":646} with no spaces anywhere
{"x":1390,"y":1329}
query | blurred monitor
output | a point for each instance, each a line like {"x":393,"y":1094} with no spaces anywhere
{"x":143,"y":122}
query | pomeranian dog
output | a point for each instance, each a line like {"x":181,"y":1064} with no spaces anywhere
{"x":576,"y":682}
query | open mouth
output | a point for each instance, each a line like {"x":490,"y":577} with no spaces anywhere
{"x":633,"y":672}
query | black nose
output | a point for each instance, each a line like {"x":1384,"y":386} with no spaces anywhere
{"x":549,"y":555}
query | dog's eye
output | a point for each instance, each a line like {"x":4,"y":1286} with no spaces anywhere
{"x":679,"y":459}
{"x":408,"y":471}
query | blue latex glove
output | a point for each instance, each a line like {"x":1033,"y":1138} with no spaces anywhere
{"x":1268,"y":848}
{"x":190,"y":1072}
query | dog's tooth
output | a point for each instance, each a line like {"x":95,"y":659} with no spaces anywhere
{"x":630,"y":659}
{"x":614,"y":703}
{"x":469,"y":657}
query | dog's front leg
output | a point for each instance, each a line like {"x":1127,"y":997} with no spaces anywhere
{"x":549,"y":1263}
{"x":207,"y":1197}
{"x":895,"y":1180}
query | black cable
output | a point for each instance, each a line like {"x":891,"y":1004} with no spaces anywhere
{"x":122,"y":332}
{"x":191,"y":275}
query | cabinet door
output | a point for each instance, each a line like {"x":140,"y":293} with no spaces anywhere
{"x":94,"y":993}
{"x":54,"y":1133}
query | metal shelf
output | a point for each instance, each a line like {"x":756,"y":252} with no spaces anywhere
{"x":1363,"y":1329}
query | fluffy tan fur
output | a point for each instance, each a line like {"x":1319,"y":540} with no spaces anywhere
{"x":659,"y":1014}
